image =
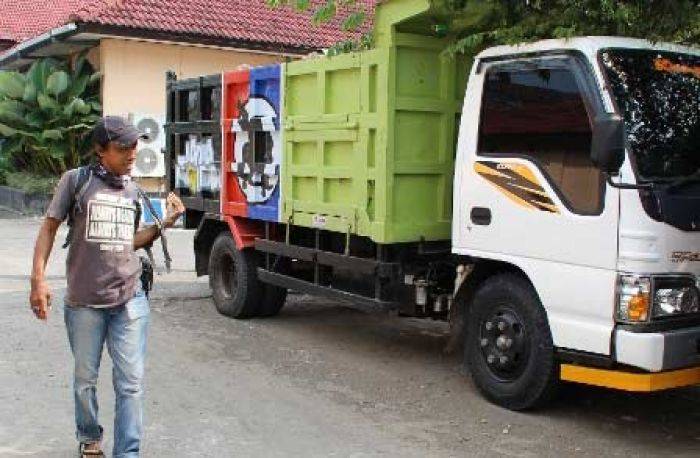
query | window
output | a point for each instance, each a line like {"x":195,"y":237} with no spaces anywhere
{"x":537,"y":110}
{"x":659,"y":95}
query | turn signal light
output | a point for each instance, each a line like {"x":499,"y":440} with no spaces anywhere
{"x":634,"y":298}
{"x":638,"y":308}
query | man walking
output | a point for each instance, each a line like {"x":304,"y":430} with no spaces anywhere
{"x":105,"y":301}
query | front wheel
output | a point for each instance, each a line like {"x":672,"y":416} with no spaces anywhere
{"x":508,"y":344}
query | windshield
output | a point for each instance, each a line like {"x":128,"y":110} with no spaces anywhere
{"x":658,"y":94}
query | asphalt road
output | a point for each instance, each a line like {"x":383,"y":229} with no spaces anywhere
{"x":321,"y":379}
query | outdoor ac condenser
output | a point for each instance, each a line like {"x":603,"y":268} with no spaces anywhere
{"x":150,"y":160}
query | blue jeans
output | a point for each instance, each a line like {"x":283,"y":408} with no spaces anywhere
{"x":124,"y":330}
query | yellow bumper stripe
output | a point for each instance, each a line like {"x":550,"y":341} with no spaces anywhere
{"x":630,"y":381}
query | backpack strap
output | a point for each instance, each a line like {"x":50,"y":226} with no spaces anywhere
{"x":159,"y":225}
{"x":81,"y":185}
{"x":148,"y":284}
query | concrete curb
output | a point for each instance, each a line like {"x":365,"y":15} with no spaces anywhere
{"x":27,"y":204}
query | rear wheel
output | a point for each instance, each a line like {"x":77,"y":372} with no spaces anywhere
{"x":233,"y":278}
{"x":508,"y":344}
{"x":274,"y":297}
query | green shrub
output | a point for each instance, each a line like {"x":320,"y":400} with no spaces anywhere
{"x":31,"y":184}
{"x":46,"y":114}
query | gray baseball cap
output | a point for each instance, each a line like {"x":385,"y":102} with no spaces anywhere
{"x":116,"y":129}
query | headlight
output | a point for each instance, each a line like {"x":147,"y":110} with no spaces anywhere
{"x":640,"y":298}
{"x":675,"y":296}
{"x":633,"y":298}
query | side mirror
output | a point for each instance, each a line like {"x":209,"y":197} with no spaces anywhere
{"x":608,"y":143}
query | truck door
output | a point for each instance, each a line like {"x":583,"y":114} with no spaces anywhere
{"x":528,"y":193}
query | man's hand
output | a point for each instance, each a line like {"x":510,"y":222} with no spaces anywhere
{"x":40,"y":296}
{"x":174,"y":210}
{"x":40,"y":299}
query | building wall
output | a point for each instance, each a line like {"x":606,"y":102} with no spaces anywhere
{"x":134,"y":74}
{"x":134,"y":71}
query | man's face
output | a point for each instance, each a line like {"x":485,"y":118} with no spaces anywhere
{"x":119,"y":159}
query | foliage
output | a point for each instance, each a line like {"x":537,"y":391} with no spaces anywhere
{"x":346,"y":46}
{"x":327,"y":10}
{"x":483,"y":23}
{"x":354,"y":16}
{"x":476,"y":24}
{"x":46,"y":113}
{"x":31,"y":184}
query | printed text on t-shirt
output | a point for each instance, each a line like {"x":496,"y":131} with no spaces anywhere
{"x":110,"y":222}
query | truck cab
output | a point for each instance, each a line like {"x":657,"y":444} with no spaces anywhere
{"x":577,"y":164}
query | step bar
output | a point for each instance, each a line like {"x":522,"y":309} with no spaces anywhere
{"x":303,"y":286}
{"x":365,"y":266}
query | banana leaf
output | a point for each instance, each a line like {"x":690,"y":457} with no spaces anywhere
{"x":47,"y":104}
{"x":52,"y":134}
{"x":12,"y":111}
{"x":11,"y":84}
{"x":57,"y":83}
{"x":30,"y":92}
{"x":34,"y":119}
{"x":7,"y":131}
{"x":77,"y":87}
{"x":39,"y":73}
{"x":79,"y":65}
{"x":58,"y":151}
{"x":72,"y":107}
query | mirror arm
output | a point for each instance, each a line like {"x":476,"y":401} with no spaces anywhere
{"x":608,"y":178}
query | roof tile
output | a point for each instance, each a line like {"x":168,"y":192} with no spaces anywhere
{"x":243,"y":20}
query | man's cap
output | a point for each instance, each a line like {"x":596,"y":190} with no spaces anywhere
{"x":116,"y":129}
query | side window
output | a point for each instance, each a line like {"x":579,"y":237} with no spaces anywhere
{"x":539,"y":112}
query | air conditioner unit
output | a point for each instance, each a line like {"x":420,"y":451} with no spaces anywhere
{"x":150,"y":160}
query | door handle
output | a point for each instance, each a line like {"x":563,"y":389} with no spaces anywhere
{"x":481,"y":216}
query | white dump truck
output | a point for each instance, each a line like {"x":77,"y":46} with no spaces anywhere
{"x":544,"y":198}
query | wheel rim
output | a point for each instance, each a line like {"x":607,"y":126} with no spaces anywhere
{"x":228,"y":276}
{"x":504,"y":343}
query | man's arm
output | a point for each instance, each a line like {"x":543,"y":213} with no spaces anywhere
{"x":146,"y":237}
{"x":174,"y":209}
{"x":40,"y":296}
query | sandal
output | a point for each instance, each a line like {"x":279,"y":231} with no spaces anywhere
{"x":83,"y":453}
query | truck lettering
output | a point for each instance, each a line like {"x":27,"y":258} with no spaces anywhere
{"x":685,"y":256}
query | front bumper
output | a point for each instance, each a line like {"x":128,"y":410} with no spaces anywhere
{"x":651,"y":361}
{"x":658,"y":351}
{"x":630,"y":381}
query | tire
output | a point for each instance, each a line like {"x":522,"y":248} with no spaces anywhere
{"x":274,"y":297}
{"x":233,"y":279}
{"x":508,"y":344}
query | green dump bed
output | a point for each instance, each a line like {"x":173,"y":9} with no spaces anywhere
{"x":369,"y":137}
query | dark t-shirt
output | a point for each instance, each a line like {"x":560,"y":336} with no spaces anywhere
{"x":102,"y":268}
